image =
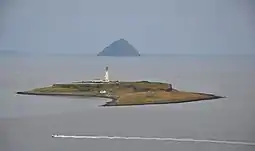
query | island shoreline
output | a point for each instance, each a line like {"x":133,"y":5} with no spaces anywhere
{"x":113,"y":99}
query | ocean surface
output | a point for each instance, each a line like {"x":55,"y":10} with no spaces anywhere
{"x":28,"y":122}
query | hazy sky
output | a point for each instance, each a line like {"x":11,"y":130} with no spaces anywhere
{"x":152,"y":26}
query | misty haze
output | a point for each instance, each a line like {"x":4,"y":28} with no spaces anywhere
{"x":204,"y":46}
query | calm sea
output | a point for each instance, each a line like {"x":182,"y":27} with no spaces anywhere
{"x":27,"y":122}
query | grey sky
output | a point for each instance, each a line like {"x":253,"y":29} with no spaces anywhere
{"x":152,"y":26}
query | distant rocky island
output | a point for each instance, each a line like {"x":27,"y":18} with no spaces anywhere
{"x":120,"y":47}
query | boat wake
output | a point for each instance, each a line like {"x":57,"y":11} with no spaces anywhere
{"x":155,"y":138}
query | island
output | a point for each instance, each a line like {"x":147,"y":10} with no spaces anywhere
{"x":120,"y":47}
{"x":123,"y":93}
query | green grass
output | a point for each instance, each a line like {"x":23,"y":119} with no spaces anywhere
{"x":122,"y":86}
{"x":55,"y":89}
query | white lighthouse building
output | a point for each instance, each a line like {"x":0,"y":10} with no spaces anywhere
{"x":106,"y":77}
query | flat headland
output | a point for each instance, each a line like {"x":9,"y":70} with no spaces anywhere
{"x":123,"y":93}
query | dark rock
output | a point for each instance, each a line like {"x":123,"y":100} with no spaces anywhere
{"x":120,"y":47}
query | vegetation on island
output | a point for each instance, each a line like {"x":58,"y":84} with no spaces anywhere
{"x":124,"y":93}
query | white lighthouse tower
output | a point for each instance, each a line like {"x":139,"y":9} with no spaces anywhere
{"x":106,"y":77}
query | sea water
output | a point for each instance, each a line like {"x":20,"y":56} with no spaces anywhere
{"x":27,"y":123}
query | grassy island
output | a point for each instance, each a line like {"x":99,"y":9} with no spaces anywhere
{"x":123,"y":93}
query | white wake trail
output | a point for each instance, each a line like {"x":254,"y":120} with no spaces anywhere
{"x":156,"y":138}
